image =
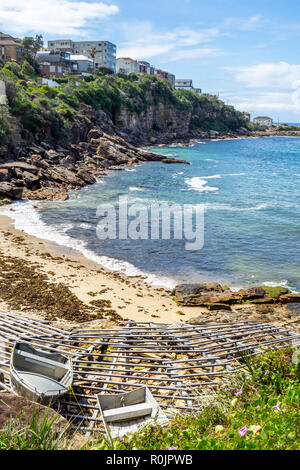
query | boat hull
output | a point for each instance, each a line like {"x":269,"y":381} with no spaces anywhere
{"x":28,"y":380}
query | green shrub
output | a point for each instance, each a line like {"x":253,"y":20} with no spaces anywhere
{"x":27,"y":69}
{"x":258,"y":410}
{"x":36,"y":436}
{"x":48,"y":91}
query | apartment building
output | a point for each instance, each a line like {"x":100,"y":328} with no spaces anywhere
{"x":105,"y":51}
{"x":145,"y":67}
{"x":10,"y":48}
{"x":81,"y":63}
{"x":163,"y":75}
{"x":126,"y":65}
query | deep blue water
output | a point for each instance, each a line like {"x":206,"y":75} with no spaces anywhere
{"x":250,"y":189}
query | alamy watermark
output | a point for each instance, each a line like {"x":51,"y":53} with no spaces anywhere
{"x":138,"y":221}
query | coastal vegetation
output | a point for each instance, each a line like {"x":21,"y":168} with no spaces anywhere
{"x":36,"y":109}
{"x":257,"y":410}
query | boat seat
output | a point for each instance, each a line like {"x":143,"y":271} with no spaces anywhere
{"x":41,"y":359}
{"x":41,"y":365}
{"x":127,"y":413}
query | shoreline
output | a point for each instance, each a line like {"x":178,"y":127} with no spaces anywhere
{"x":129,"y":298}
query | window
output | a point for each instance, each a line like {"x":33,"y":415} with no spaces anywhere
{"x":52,"y":68}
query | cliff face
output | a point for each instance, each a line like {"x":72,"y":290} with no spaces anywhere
{"x":156,"y":119}
{"x":141,"y":109}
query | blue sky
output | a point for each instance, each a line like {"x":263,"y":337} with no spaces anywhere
{"x":246,"y":51}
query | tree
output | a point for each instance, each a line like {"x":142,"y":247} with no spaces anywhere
{"x":32,"y":45}
{"x":93,"y":53}
{"x":105,"y":70}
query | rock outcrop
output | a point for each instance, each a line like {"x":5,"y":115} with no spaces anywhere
{"x":214,"y":296}
{"x":42,"y":172}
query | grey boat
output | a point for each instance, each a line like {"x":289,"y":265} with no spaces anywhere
{"x":127,"y":413}
{"x":39,"y":376}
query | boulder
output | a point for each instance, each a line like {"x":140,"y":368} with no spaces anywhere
{"x":95,"y":134}
{"x":49,"y":194}
{"x":4,"y":175}
{"x":251,"y":293}
{"x":195,"y":294}
{"x":62,"y":175}
{"x":213,"y":294}
{"x":37,"y":161}
{"x":31,"y":181}
{"x":10,"y":191}
{"x":290,"y":298}
{"x":20,"y":165}
{"x":86,"y":177}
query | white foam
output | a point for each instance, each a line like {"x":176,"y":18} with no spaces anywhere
{"x":133,"y":188}
{"x":228,"y":207}
{"x":210,"y":177}
{"x":85,"y":226}
{"x":199,"y":184}
{"x":27,"y":218}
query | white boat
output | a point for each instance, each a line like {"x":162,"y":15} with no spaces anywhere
{"x":127,"y":413}
{"x":39,"y":376}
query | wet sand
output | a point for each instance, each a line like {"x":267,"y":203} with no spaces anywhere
{"x":129,"y":297}
{"x":87,"y":282}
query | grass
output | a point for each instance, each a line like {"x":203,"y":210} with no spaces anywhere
{"x":38,"y":435}
{"x":258,"y":410}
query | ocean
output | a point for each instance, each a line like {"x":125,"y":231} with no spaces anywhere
{"x":250,"y":190}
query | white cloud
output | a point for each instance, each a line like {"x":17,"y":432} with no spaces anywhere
{"x":278,"y":75}
{"x":52,"y":16}
{"x":248,"y":24}
{"x":142,"y":41}
{"x":198,"y":53}
{"x":269,"y":87}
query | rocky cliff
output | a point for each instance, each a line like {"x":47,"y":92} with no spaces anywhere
{"x":55,"y":139}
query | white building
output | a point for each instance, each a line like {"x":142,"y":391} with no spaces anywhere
{"x":81,"y":63}
{"x":186,"y":84}
{"x":105,"y":51}
{"x":126,"y":65}
{"x":263,"y":121}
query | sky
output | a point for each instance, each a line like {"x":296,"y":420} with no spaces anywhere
{"x":247,"y":51}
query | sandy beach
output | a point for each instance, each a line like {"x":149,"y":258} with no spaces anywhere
{"x":130,"y":298}
{"x":91,"y":285}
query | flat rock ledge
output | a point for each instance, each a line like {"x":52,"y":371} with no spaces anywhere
{"x":41,"y":172}
{"x":214,"y":296}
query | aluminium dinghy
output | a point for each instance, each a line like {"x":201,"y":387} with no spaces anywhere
{"x":39,"y":376}
{"x":127,"y":413}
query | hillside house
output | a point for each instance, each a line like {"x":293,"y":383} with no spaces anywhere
{"x":263,"y":121}
{"x":11,"y":48}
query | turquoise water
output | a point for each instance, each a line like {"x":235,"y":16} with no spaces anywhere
{"x":250,"y":190}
